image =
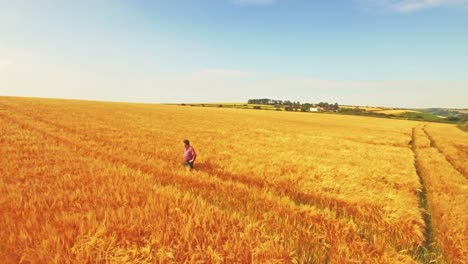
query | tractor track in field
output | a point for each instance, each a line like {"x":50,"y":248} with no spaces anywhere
{"x":343,"y":209}
{"x":427,"y":252}
{"x":194,"y":184}
{"x":449,"y":160}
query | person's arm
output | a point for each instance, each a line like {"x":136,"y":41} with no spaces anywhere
{"x":194,"y":155}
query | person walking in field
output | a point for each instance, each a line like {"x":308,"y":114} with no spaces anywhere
{"x":189,"y":155}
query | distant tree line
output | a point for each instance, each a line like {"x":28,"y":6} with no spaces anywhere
{"x":294,"y":106}
{"x":266,"y":101}
{"x":329,"y":107}
{"x":463,"y":118}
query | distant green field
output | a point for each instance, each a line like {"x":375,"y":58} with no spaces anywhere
{"x":422,"y":116}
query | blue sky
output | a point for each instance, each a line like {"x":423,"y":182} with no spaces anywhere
{"x":402,"y":53}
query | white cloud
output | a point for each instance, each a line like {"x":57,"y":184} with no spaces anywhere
{"x":253,"y":2}
{"x":410,"y":6}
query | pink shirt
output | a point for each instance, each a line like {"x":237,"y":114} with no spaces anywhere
{"x":190,"y":154}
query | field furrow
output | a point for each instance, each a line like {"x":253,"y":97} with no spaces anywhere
{"x":447,"y":191}
{"x":451,"y":152}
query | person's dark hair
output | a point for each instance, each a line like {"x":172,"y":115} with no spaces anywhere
{"x":186,"y":142}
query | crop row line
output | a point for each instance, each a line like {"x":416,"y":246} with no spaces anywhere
{"x":449,"y":160}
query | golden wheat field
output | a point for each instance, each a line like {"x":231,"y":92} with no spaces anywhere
{"x":95,"y":182}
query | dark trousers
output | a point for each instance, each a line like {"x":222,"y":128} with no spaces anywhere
{"x":188,"y":164}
